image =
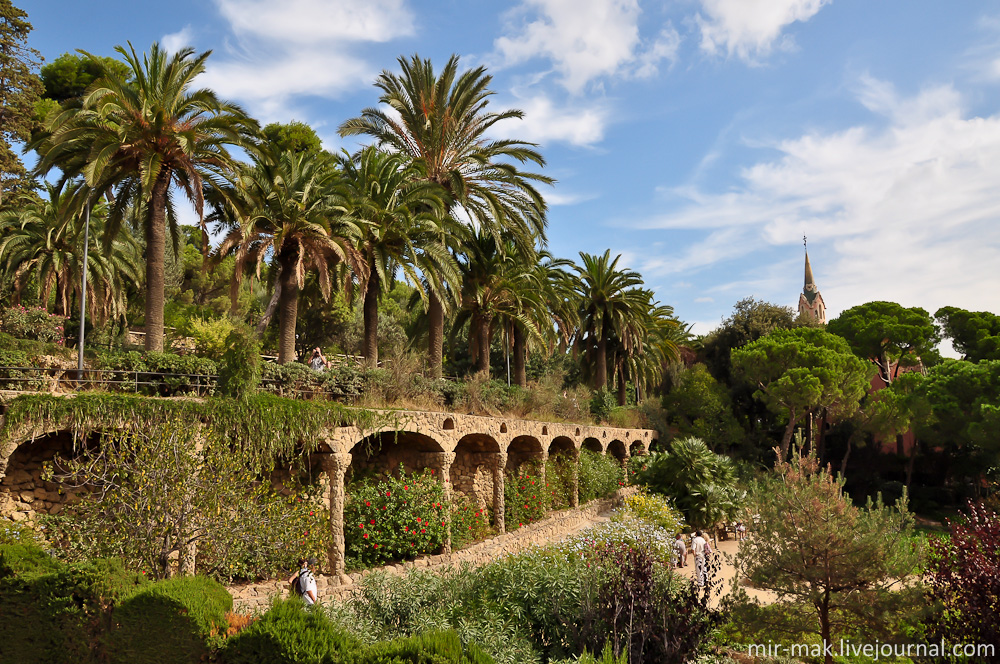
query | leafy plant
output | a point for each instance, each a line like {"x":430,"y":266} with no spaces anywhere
{"x":394,"y":518}
{"x":600,"y":475}
{"x":239,"y":370}
{"x":32,"y":323}
{"x":469,"y":522}
{"x":211,"y":336}
{"x":526,"y":497}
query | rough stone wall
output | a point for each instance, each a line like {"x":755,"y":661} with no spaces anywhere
{"x":255,"y":597}
{"x":23,"y":492}
{"x":472,"y":475}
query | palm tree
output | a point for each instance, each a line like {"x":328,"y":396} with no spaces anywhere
{"x":135,"y":136}
{"x":282,"y":208}
{"x":441,"y":122}
{"x":45,"y":239}
{"x":612,"y":306}
{"x":403,"y":226}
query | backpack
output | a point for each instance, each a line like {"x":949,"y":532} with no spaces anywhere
{"x":302,"y":583}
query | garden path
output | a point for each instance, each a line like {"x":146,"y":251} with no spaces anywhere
{"x":729,"y":549}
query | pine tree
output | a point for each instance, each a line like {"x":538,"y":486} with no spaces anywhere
{"x":20,"y":88}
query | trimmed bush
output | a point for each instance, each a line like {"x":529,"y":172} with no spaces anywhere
{"x":428,"y":648}
{"x":290,"y":634}
{"x":169,"y":621}
{"x":600,"y":476}
{"x":526,"y":499}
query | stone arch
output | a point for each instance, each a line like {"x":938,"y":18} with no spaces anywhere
{"x":382,"y":453}
{"x":562,"y":445}
{"x":637,"y":448}
{"x":23,"y":491}
{"x":617,"y":449}
{"x":523,"y":449}
{"x":592,"y":444}
{"x":472,"y":470}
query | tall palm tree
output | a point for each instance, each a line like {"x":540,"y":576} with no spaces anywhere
{"x":403,"y":226}
{"x":440,"y":121}
{"x":45,"y":239}
{"x":135,"y":136}
{"x":612,"y":306}
{"x":282,"y":208}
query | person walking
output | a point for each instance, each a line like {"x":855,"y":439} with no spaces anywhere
{"x":303,"y":582}
{"x":680,"y":551}
{"x":699,"y":546}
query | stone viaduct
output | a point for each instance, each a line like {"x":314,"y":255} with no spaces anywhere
{"x":470,"y":453}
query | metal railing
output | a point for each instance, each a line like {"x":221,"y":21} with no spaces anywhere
{"x":33,"y":379}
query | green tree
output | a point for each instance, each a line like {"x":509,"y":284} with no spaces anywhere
{"x":821,"y":554}
{"x":612,"y":306}
{"x":44,"y":240}
{"x":403,"y":228}
{"x":281,"y":207}
{"x":441,"y":122}
{"x":957,"y":404}
{"x":889,"y":335}
{"x":975,"y":334}
{"x":68,"y":76}
{"x":135,"y":137}
{"x":292,"y":136}
{"x":20,"y":88}
{"x":699,"y":406}
{"x":751,"y":319}
{"x":802,"y":372}
{"x":702,"y":484}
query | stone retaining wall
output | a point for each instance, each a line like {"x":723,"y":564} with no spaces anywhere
{"x":255,"y":597}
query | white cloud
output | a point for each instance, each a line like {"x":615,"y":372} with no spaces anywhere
{"x":545,"y":122}
{"x":299,"y":48}
{"x":568,"y":198}
{"x":909,"y":212}
{"x":751,"y":28}
{"x":704,"y":299}
{"x":584,"y":39}
{"x":175,"y":41}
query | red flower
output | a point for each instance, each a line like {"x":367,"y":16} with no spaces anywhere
{"x":376,"y":546}
{"x":387,"y":494}
{"x":406,"y":488}
{"x":418,"y":519}
{"x":372,"y":522}
{"x":365,"y":535}
{"x":422,"y":530}
{"x":312,"y":513}
{"x":361,"y":525}
{"x":442,"y":523}
{"x":367,"y":504}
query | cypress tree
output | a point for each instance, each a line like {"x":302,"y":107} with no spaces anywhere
{"x":20,"y":88}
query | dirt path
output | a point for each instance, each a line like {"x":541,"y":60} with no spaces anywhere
{"x":728,"y":549}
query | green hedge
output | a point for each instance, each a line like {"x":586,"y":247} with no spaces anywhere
{"x":428,"y":648}
{"x":170,"y":621}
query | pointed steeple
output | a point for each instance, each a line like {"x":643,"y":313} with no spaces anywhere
{"x":810,"y":301}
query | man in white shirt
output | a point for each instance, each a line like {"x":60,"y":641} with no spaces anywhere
{"x":699,"y":546}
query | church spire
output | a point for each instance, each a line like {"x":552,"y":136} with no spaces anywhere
{"x":810,"y":301}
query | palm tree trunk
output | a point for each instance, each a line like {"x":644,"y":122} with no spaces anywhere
{"x":435,"y":341}
{"x":156,"y":241}
{"x":265,"y":320}
{"x":520,"y":358}
{"x":601,"y":377}
{"x":288,"y":308}
{"x":622,"y":387}
{"x":483,"y":345}
{"x":371,"y":318}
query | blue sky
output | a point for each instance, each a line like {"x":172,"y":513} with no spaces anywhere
{"x":700,"y":139}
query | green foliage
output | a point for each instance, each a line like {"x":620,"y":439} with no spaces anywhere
{"x":292,"y":136}
{"x":526,"y":500}
{"x":427,"y":648}
{"x":823,"y":556}
{"x":702,"y":484}
{"x":169,"y":621}
{"x":191,"y":371}
{"x":239,"y":370}
{"x":656,"y":510}
{"x":889,"y":335}
{"x":602,"y":404}
{"x":289,"y":634}
{"x":33,"y":323}
{"x":211,"y":336}
{"x":23,"y":558}
{"x":751,"y":319}
{"x":600,"y":476}
{"x":698,"y":406}
{"x":12,"y":532}
{"x":802,"y":371}
{"x":394,"y":518}
{"x":152,"y":495}
{"x":18,"y":94}
{"x":54,"y":612}
{"x":68,"y":76}
{"x":559,"y":478}
{"x":975,"y":334}
{"x":469,"y":522}
{"x":337,"y":381}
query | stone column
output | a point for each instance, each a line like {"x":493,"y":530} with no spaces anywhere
{"x":625,"y":461}
{"x":335,"y":466}
{"x":574,"y":499}
{"x":444,"y":461}
{"x":499,"y":466}
{"x":541,"y":470}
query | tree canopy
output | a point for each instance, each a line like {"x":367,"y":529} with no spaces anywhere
{"x":68,"y":76}
{"x":20,"y":88}
{"x":975,"y":334}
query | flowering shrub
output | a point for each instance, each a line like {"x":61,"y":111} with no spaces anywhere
{"x":656,"y":510}
{"x":600,"y":476}
{"x":394,"y":518}
{"x":34,"y":323}
{"x":526,"y":497}
{"x":559,"y":475}
{"x":469,"y":522}
{"x":12,"y":532}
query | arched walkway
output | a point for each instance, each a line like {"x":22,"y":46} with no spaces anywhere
{"x":476,"y":457}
